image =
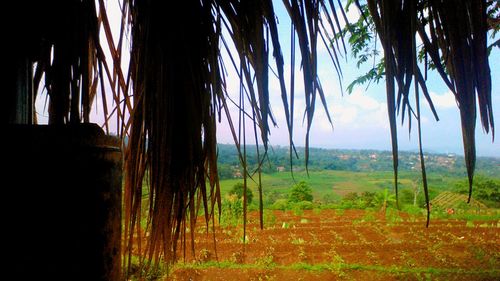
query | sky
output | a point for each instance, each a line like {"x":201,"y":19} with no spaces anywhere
{"x":360,"y":119}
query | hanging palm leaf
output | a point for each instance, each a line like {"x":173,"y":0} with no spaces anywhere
{"x":178,"y":85}
{"x":454,"y":38}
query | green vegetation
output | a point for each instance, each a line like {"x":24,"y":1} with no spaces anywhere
{"x":485,"y":189}
{"x":300,"y":192}
{"x":349,"y":160}
{"x":237,"y":191}
{"x":329,"y":189}
{"x":334,"y":266}
{"x":356,"y":178}
{"x":342,"y":190}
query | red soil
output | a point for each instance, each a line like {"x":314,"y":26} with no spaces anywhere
{"x":356,"y":249}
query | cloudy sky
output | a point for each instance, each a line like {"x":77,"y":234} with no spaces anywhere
{"x":360,"y":119}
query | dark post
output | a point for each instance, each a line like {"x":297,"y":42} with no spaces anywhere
{"x":61,"y":195}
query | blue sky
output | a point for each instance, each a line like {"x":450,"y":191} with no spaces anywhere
{"x":360,"y":119}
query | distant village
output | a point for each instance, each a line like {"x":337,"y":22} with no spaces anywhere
{"x":278,"y":161}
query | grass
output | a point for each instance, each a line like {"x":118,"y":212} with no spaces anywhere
{"x":338,"y":183}
{"x":319,"y":267}
{"x":469,"y":215}
{"x":322,"y":182}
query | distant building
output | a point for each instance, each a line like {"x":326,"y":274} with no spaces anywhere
{"x":344,"y":157}
{"x":280,"y":168}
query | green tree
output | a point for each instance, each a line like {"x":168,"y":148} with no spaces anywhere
{"x":330,"y":198}
{"x":237,"y":191}
{"x":225,"y":171}
{"x":367,"y":199}
{"x":301,"y":192}
{"x":407,"y":196}
{"x":484,"y":188}
{"x":384,"y":198}
{"x":351,"y":196}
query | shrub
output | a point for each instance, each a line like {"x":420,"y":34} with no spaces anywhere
{"x":367,"y":200}
{"x":347,"y":204}
{"x":301,"y":192}
{"x":280,"y":204}
{"x":271,"y":197}
{"x":232,"y":210}
{"x":237,"y":190}
{"x":303,"y":205}
{"x":406,"y":196}
{"x":485,"y":189}
{"x":330,"y":198}
{"x":412,"y":210}
{"x":351,"y":196}
{"x":349,"y":201}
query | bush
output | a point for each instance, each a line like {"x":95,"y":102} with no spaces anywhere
{"x":330,"y":198}
{"x":271,"y":197}
{"x":280,"y":204}
{"x":330,"y":206}
{"x":351,"y":196}
{"x":301,"y":192}
{"x":353,"y":200}
{"x":303,"y":205}
{"x":347,"y":204}
{"x":237,"y":191}
{"x":412,"y":210}
{"x":406,"y":196}
{"x":232,"y":210}
{"x":485,"y":189}
{"x":367,"y":200}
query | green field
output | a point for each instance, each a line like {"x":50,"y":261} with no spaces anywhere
{"x":339,"y":183}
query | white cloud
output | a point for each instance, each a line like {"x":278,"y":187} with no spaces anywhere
{"x":444,"y":101}
{"x":359,"y":110}
{"x":347,"y":115}
{"x":363,"y":101}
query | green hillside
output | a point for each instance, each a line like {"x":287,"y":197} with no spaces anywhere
{"x":335,"y":173}
{"x":278,"y":158}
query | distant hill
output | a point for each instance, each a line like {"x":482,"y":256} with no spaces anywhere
{"x":278,"y":159}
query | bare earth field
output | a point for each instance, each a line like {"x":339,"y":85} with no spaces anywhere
{"x":345,"y":245}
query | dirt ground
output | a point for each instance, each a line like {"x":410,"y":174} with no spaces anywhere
{"x":346,"y":245}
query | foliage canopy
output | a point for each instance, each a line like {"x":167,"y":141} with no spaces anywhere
{"x":237,"y":190}
{"x":301,"y":191}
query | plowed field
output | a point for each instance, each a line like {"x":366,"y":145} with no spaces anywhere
{"x":346,"y":245}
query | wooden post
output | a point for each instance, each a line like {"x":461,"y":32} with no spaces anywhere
{"x":61,"y":200}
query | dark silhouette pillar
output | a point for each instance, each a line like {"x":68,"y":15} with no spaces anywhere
{"x":61,"y":202}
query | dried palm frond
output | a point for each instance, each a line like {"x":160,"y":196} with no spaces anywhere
{"x":458,"y":32}
{"x":456,"y":35}
{"x":61,"y":41}
{"x":179,"y":89}
{"x":176,"y":82}
{"x":68,"y":58}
